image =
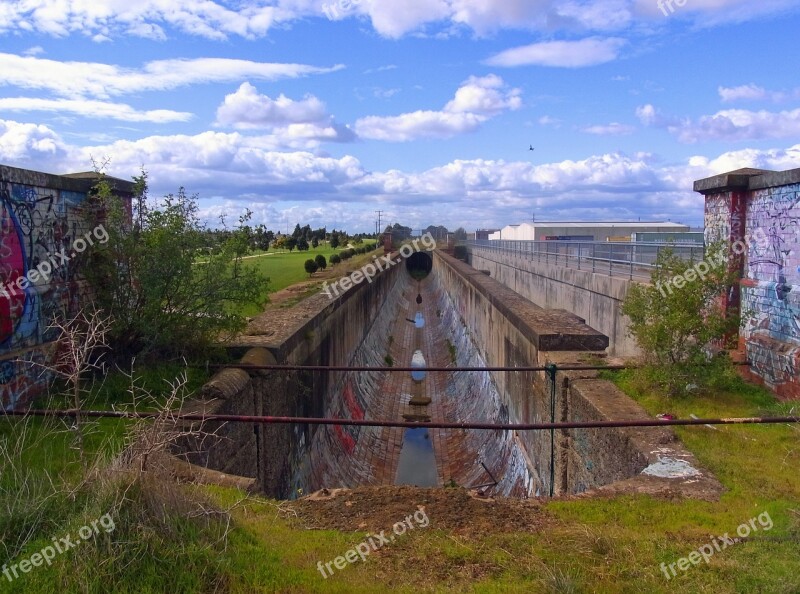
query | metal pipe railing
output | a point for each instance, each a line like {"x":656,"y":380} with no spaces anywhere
{"x":376,"y":423}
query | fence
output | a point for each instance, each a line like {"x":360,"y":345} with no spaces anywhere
{"x":630,"y":259}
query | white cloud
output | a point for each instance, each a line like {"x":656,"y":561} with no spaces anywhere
{"x":564,"y":54}
{"x":236,"y":167}
{"x":729,"y":124}
{"x":29,"y":143}
{"x":305,"y":122}
{"x":222,"y":19}
{"x":753,"y":92}
{"x":93,"y":109}
{"x":34,"y":51}
{"x":475,"y":101}
{"x":612,"y":129}
{"x":214,"y":20}
{"x":547,"y":120}
{"x":76,"y":79}
{"x":246,"y":108}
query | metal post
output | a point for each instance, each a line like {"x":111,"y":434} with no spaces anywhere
{"x":630,"y":257}
{"x":551,"y":371}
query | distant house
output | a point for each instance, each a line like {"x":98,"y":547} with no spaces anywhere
{"x":583,"y":230}
{"x":42,"y":230}
{"x":483,"y":234}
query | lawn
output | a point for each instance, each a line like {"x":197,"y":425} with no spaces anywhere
{"x":284,"y":268}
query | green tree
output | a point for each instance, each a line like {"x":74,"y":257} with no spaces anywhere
{"x":320,"y":261}
{"x":146,"y":276}
{"x":314,"y":242}
{"x":310,"y":266}
{"x":290,"y":243}
{"x":677,"y":317}
{"x":302,"y":244}
{"x":334,"y":240}
{"x":335,"y":259}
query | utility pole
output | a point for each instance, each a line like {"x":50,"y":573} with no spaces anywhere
{"x":379,"y":220}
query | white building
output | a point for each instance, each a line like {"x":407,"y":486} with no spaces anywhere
{"x":583,"y":231}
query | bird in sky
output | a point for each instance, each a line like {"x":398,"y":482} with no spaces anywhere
{"x":532,"y":149}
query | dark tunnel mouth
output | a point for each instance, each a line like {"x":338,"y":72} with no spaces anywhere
{"x":419,"y":265}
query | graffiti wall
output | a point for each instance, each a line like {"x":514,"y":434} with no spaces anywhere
{"x":766,"y":206}
{"x":771,"y":288}
{"x":40,"y":218}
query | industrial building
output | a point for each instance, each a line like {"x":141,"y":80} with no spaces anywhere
{"x":584,"y":231}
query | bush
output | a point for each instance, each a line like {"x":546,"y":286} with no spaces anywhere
{"x":345,"y":255}
{"x":676,"y":328}
{"x":335,"y":259}
{"x":310,"y":266}
{"x":146,"y":276}
{"x":320,"y":261}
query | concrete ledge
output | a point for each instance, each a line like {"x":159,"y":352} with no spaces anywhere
{"x":731,"y":181}
{"x":547,"y":329}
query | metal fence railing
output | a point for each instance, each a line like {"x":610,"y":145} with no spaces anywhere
{"x":627,"y":259}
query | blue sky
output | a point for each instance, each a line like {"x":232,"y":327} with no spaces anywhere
{"x":322,"y":112}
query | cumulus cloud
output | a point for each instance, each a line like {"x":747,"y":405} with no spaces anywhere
{"x":145,"y":18}
{"x":305,"y":121}
{"x":250,"y":170}
{"x":26,"y":144}
{"x":93,"y":109}
{"x":729,"y":124}
{"x":753,"y":92}
{"x":475,"y":101}
{"x":246,"y":108}
{"x":221,"y":19}
{"x":564,"y":54}
{"x":78,"y":79}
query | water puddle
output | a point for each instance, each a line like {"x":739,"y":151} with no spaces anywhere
{"x":417,"y":464}
{"x":418,"y":362}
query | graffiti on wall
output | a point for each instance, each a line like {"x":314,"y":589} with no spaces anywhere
{"x":35,"y":223}
{"x":772,"y":287}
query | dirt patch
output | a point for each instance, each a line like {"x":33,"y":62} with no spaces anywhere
{"x":279,"y":297}
{"x":458,"y":511}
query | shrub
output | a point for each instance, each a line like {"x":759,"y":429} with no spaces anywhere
{"x":310,"y":266}
{"x":335,"y":259}
{"x":320,"y":261}
{"x":146,"y":277}
{"x":675,"y":327}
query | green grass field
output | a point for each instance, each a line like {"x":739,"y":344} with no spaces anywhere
{"x":284,"y":268}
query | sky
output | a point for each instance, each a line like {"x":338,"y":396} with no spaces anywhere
{"x":324,"y":112}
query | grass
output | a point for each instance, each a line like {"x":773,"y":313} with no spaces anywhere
{"x":594,"y":545}
{"x":284,"y":268}
{"x":161,"y":542}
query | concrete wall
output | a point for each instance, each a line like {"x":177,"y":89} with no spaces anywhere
{"x":318,"y":331}
{"x":489,"y":325}
{"x":40,"y":215}
{"x":596,"y":298}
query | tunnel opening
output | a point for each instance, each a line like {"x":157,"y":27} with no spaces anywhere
{"x":419,"y":265}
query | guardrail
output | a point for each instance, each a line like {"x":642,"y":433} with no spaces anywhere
{"x":630,"y":259}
